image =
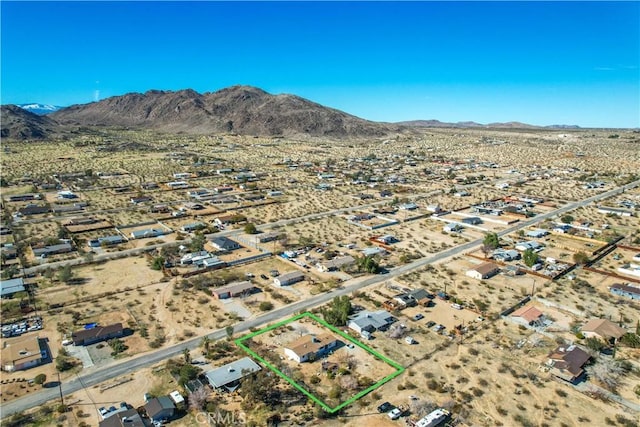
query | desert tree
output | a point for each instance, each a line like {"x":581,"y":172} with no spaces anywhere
{"x":198,"y":399}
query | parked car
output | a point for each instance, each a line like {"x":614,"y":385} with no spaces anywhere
{"x":394,"y":414}
{"x":431,"y":324}
{"x":410,"y":340}
{"x":385,"y":407}
{"x":263,"y":277}
{"x":456,"y":306}
{"x":418,"y":316}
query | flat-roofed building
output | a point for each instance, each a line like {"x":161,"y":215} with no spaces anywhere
{"x":228,"y":376}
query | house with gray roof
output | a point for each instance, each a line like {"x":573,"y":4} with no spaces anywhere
{"x":147,"y":233}
{"x":369,"y":322}
{"x":289,"y":278}
{"x":228,"y":376}
{"x":52,"y":249}
{"x":160,"y":408}
{"x":224,"y":244}
{"x":10,"y":287}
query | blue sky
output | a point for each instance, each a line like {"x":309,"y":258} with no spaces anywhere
{"x":535,"y":62}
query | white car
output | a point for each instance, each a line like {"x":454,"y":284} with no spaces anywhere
{"x":394,"y":414}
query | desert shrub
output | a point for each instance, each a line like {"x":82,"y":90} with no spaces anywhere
{"x":561,"y":392}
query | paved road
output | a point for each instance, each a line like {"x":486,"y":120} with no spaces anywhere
{"x":98,"y":375}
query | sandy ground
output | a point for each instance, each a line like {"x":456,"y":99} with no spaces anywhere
{"x":546,"y":163}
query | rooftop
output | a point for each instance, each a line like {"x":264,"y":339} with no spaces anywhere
{"x":310,"y":343}
{"x":231,"y":372}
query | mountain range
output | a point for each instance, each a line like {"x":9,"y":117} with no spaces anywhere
{"x":241,"y":110}
{"x":238,"y":109}
{"x":506,"y":125}
{"x":39,"y":109}
{"x":18,"y":123}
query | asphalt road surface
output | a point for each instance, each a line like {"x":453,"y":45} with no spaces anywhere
{"x":97,"y":375}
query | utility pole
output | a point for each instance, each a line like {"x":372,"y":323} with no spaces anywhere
{"x":60,"y":389}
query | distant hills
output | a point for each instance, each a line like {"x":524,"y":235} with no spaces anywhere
{"x":241,"y":110}
{"x":506,"y":125}
{"x":18,"y":123}
{"x":238,"y":109}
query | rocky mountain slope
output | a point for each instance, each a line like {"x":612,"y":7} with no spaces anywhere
{"x":238,"y":109}
{"x":18,"y":123}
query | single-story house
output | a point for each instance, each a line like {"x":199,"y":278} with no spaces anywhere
{"x":24,"y":353}
{"x":367,"y":321}
{"x":174,"y":185}
{"x":116,"y":239}
{"x":508,"y":255}
{"x":387,"y":239}
{"x":310,"y":347}
{"x":24,"y":197}
{"x":405,"y":300}
{"x":627,"y":291}
{"x":190,"y":257}
{"x":194,"y":226}
{"x":537,"y":233}
{"x":614,"y":211}
{"x":472,"y":220}
{"x":140,"y":199}
{"x":10,"y":287}
{"x":529,"y":314}
{"x":603,"y":329}
{"x":289,"y":278}
{"x":531,"y":244}
{"x":420,"y":296}
{"x":149,"y":185}
{"x":66,"y":194}
{"x":97,"y":334}
{"x":228,"y":376}
{"x":233,"y":290}
{"x":452,"y":227}
{"x":483,"y":271}
{"x":630,"y":269}
{"x":147,"y":233}
{"x":408,"y":207}
{"x":192,"y":206}
{"x":160,"y":408}
{"x":128,"y":418}
{"x":487,"y":210}
{"x":61,"y":248}
{"x":373,"y":251}
{"x":567,"y":362}
{"x":224,"y":244}
{"x":336,"y":263}
{"x":562,"y":228}
{"x":34,"y":210}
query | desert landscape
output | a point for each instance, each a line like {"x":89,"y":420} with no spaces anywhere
{"x":400,"y":201}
